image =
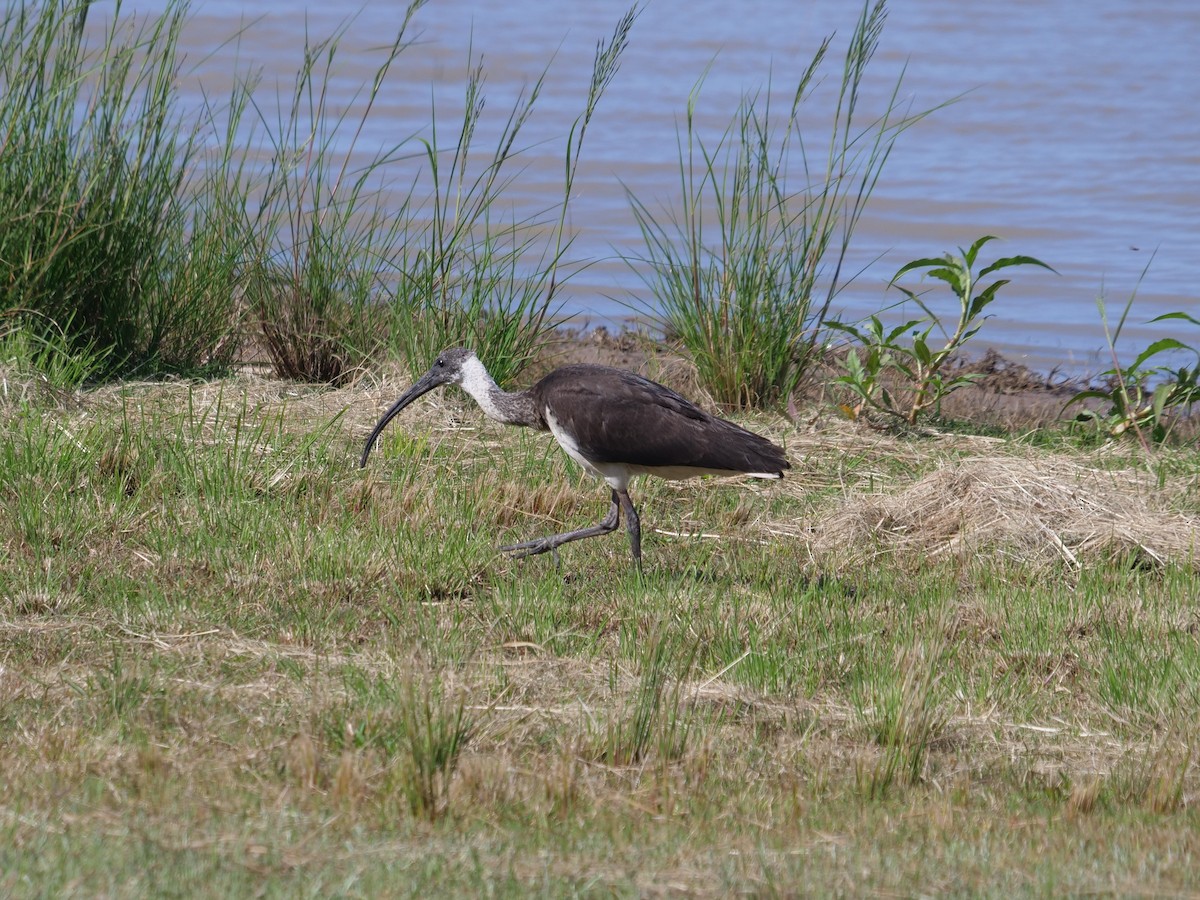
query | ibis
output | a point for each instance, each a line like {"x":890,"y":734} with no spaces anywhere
{"x":614,"y":423}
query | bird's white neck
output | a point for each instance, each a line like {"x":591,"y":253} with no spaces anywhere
{"x":512,"y":409}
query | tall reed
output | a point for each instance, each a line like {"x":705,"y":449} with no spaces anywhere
{"x":744,"y":268}
{"x":345,"y":269}
{"x":328,"y":238}
{"x":474,"y":274}
{"x":105,"y":238}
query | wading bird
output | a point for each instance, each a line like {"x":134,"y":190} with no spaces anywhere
{"x":613,"y":423}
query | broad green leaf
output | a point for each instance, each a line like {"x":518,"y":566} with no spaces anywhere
{"x":1154,"y":349}
{"x":1007,"y":261}
{"x":921,"y":351}
{"x":902,"y":329}
{"x":854,"y":365}
{"x":926,"y":263}
{"x":985,"y":297}
{"x":852,"y":385}
{"x":1159,"y":399}
{"x":1176,"y":315}
{"x":969,"y":255}
{"x":953,"y":276}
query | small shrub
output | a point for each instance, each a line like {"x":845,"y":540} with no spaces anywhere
{"x":916,"y":371}
{"x":1142,"y":399}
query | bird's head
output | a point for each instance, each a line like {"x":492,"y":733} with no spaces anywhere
{"x":448,"y":368}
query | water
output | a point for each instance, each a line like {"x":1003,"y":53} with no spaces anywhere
{"x":1076,"y":142}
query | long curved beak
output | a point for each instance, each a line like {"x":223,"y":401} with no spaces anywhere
{"x":424,"y":385}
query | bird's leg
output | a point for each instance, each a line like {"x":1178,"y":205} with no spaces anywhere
{"x":554,"y":541}
{"x":632,"y":524}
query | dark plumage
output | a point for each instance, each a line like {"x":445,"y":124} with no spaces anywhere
{"x":617,"y":416}
{"x":614,"y":423}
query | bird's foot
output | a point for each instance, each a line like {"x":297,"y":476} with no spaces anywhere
{"x":531,"y":548}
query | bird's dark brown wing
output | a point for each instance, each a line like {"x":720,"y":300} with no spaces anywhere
{"x":616,"y":416}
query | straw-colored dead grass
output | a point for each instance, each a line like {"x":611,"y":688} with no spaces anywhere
{"x":1037,"y":510}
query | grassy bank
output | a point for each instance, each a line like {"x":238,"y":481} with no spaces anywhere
{"x":235,"y":663}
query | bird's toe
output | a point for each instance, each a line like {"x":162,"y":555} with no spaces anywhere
{"x":527,"y":548}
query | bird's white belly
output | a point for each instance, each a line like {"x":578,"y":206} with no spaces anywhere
{"x":616,"y":474}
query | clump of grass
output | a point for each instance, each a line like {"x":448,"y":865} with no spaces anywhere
{"x":472,"y":276}
{"x":653,"y":722}
{"x":327,"y":241}
{"x":122,"y":688}
{"x":434,"y":732}
{"x":904,"y":717}
{"x":748,"y":302}
{"x":413,"y":732}
{"x":37,"y":355}
{"x":111,"y":236}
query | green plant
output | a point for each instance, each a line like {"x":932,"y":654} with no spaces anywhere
{"x":745,"y":303}
{"x":653,"y":722}
{"x":327,"y":240}
{"x":1141,"y":398}
{"x":906,"y":381}
{"x":467,"y":277}
{"x":107,"y":236}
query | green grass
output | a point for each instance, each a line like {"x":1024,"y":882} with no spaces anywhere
{"x":147,"y":242}
{"x":233,"y":662}
{"x":123,"y":232}
{"x":744,"y":266}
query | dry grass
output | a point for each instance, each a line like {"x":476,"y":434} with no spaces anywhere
{"x":212,"y":676}
{"x":1050,"y":508}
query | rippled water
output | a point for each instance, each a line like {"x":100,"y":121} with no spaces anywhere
{"x":1076,"y":140}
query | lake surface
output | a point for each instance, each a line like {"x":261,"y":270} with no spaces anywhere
{"x":1077,"y":140}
